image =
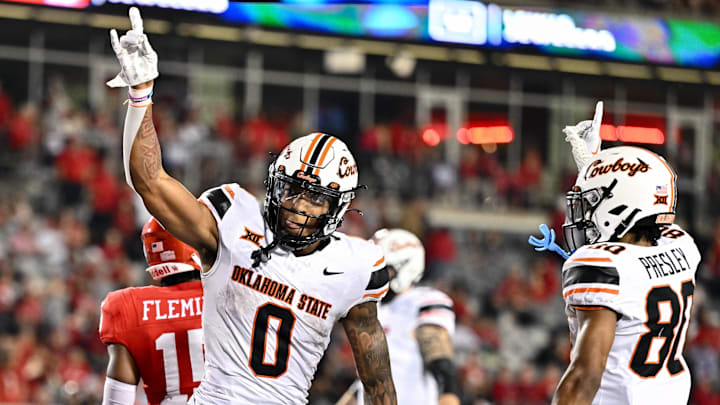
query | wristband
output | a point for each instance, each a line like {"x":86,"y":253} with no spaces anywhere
{"x":140,"y":97}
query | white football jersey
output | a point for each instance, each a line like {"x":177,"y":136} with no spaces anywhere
{"x":651,"y":290}
{"x":267,"y":327}
{"x":400,"y":318}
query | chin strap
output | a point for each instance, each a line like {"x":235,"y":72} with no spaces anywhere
{"x":262,"y":255}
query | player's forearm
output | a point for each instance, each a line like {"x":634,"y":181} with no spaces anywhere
{"x":576,"y":388}
{"x":373,"y":364}
{"x":370,"y":350}
{"x":145,"y":156}
{"x":448,"y":399}
{"x":164,"y":197}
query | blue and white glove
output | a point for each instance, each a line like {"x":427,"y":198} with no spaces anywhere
{"x":584,"y":137}
{"x":138,"y":60}
{"x":547,"y":242}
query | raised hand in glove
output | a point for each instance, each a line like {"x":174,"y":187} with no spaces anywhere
{"x":584,"y":137}
{"x":137,"y":58}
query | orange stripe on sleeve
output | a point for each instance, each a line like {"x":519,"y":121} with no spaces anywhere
{"x":377,"y":263}
{"x":598,"y":290}
{"x":377,"y":294}
{"x":592,"y":259}
{"x":325,"y":152}
{"x":229,"y":191}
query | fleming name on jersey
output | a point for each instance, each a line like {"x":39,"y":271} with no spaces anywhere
{"x":161,"y":328}
{"x":267,"y":327}
{"x":650,"y":288}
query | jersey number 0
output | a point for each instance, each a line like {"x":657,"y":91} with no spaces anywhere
{"x":664,"y":329}
{"x":286,"y":321}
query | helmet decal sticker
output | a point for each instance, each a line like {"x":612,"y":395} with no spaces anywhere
{"x":597,"y":168}
{"x":345,"y":169}
{"x":661,"y":195}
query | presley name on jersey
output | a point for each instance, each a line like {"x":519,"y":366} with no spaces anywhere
{"x":400,"y":318}
{"x":161,"y":328}
{"x":651,"y":290}
{"x":267,"y":327}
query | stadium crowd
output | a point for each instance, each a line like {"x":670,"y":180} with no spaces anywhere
{"x":70,"y":226}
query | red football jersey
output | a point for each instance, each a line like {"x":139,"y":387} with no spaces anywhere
{"x":162,"y":329}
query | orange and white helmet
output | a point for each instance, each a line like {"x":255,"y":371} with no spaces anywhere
{"x":165,"y":254}
{"x":622,"y":186}
{"x":321,"y":167}
{"x":405,"y":253}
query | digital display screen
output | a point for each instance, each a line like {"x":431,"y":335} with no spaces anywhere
{"x":54,"y":3}
{"x":557,"y":32}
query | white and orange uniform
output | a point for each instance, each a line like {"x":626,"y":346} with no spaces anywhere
{"x":651,"y":290}
{"x":400,"y":318}
{"x":266,"y":328}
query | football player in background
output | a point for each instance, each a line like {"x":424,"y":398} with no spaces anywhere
{"x":629,"y":282}
{"x":154,"y":332}
{"x":419,"y":323}
{"x":275,"y":279}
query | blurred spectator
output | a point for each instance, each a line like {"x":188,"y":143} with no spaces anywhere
{"x":104,"y":192}
{"x":6,"y":109}
{"x":23,"y":131}
{"x":75,"y":165}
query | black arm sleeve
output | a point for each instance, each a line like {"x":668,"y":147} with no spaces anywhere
{"x":445,"y":374}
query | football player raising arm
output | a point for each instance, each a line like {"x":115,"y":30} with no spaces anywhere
{"x":266,"y":322}
{"x":165,"y":198}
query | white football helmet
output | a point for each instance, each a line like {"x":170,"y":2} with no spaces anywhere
{"x":321,"y":166}
{"x":622,"y":186}
{"x":405,"y":253}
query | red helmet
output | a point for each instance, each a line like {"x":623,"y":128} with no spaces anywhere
{"x":165,"y":254}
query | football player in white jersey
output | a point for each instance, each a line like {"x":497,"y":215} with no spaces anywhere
{"x":275,"y":279}
{"x":628,"y":285}
{"x":419,"y":323}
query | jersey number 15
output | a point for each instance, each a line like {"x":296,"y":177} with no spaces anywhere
{"x":166,"y":343}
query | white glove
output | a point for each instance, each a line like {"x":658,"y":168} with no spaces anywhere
{"x":585,"y":138}
{"x":137,"y":58}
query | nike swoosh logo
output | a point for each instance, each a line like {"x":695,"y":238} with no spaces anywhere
{"x":330,"y":273}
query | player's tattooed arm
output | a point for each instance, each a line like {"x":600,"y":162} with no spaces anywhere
{"x":434,"y":342}
{"x":166,"y":198}
{"x":146,"y":159}
{"x":370,"y":350}
{"x":437,"y":352}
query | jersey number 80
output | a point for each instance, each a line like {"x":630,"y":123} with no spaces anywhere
{"x":640,"y":364}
